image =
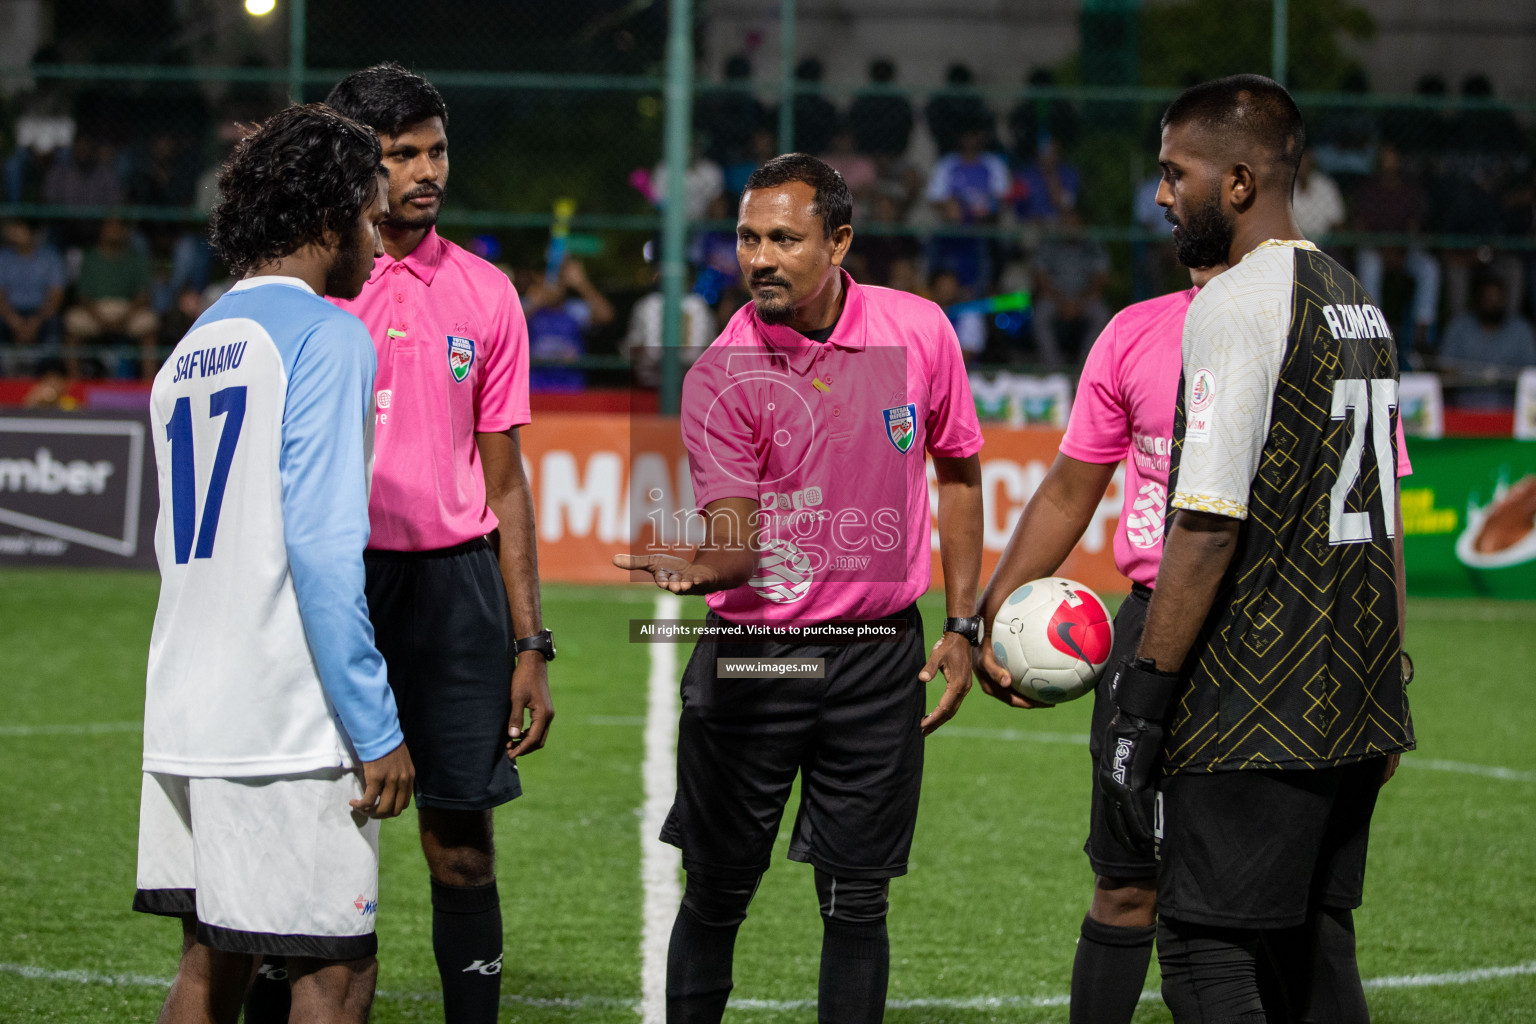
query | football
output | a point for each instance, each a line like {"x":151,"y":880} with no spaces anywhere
{"x":1053,"y":636}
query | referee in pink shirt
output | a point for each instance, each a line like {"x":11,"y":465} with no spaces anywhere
{"x":806,"y":424}
{"x":453,"y":585}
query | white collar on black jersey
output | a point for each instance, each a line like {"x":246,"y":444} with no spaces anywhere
{"x":253,"y":282}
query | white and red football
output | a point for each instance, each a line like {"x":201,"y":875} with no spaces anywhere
{"x":1054,"y":637}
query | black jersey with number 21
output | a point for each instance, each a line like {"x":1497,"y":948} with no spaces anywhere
{"x":1286,"y":419}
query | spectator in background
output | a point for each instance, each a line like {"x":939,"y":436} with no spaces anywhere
{"x":727,"y":117}
{"x":1485,"y":126}
{"x":1483,"y":146}
{"x":31,"y":294}
{"x":967,"y":187}
{"x":905,"y":277}
{"x":858,"y":169}
{"x":959,"y":109}
{"x":181,"y":262}
{"x":704,"y":181}
{"x":1419,"y":133}
{"x":899,"y":179}
{"x":84,"y":177}
{"x":41,"y":135}
{"x":1485,"y":348}
{"x":1390,"y":202}
{"x":643,"y":342}
{"x":1032,"y":121}
{"x":1152,"y":262}
{"x":873,"y":257}
{"x":970,"y":325}
{"x":1070,"y":273}
{"x":1318,"y":203}
{"x":1045,"y":188}
{"x":815,"y":116}
{"x":881,"y":120}
{"x":714,"y":253}
{"x":560,"y":318}
{"x":112,"y":293}
{"x":1347,"y":136}
{"x":163,"y":174}
{"x":763,"y":147}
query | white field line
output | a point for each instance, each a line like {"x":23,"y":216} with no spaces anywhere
{"x":1487,"y":771}
{"x":1469,"y":977}
{"x":964,"y":732}
{"x":660,"y":864}
{"x":74,"y":729}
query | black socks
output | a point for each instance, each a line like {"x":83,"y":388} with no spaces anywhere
{"x":1109,"y":971}
{"x":466,"y":939}
{"x":855,"y":968}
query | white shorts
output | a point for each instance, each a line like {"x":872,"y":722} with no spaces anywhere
{"x":275,"y":865}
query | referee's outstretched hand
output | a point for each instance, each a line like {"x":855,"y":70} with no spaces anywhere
{"x":670,"y":572}
{"x":952,"y":656}
{"x":387,"y":784}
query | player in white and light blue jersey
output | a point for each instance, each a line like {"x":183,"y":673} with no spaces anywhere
{"x":271,"y":740}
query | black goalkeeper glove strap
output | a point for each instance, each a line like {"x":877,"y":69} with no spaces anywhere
{"x":1133,"y":749}
{"x":1140,"y":689}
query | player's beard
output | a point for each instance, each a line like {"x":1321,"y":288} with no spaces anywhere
{"x":1204,"y":238}
{"x":775,"y":311}
{"x":405,"y":218}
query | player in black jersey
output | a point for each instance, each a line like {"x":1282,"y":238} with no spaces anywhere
{"x":1272,"y":653}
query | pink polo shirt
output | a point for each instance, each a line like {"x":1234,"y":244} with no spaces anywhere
{"x":453,"y":362}
{"x":828,"y":438}
{"x":1124,"y":410}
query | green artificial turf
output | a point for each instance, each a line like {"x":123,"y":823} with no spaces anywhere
{"x":990,"y":909}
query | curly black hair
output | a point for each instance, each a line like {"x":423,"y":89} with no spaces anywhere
{"x":305,"y":171}
{"x":388,"y":98}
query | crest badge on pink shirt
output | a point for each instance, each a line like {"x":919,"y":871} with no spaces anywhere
{"x":461,"y":356}
{"x":901,"y":426}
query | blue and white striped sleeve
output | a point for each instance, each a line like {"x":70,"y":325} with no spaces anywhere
{"x":325,"y":525}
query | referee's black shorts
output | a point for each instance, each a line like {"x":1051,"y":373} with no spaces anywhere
{"x":1108,"y":858}
{"x":441,"y":620}
{"x":854,"y":737}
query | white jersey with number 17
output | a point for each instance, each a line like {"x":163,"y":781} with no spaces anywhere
{"x":262,"y":659}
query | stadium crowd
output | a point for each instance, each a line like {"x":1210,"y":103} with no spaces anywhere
{"x":969,"y":205}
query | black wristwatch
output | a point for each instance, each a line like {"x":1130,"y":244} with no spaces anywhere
{"x":969,"y":628}
{"x":543,"y":641}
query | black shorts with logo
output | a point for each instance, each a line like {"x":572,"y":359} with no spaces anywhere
{"x":854,"y":737}
{"x":1107,"y":857}
{"x":441,"y":620}
{"x":1259,"y":848}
